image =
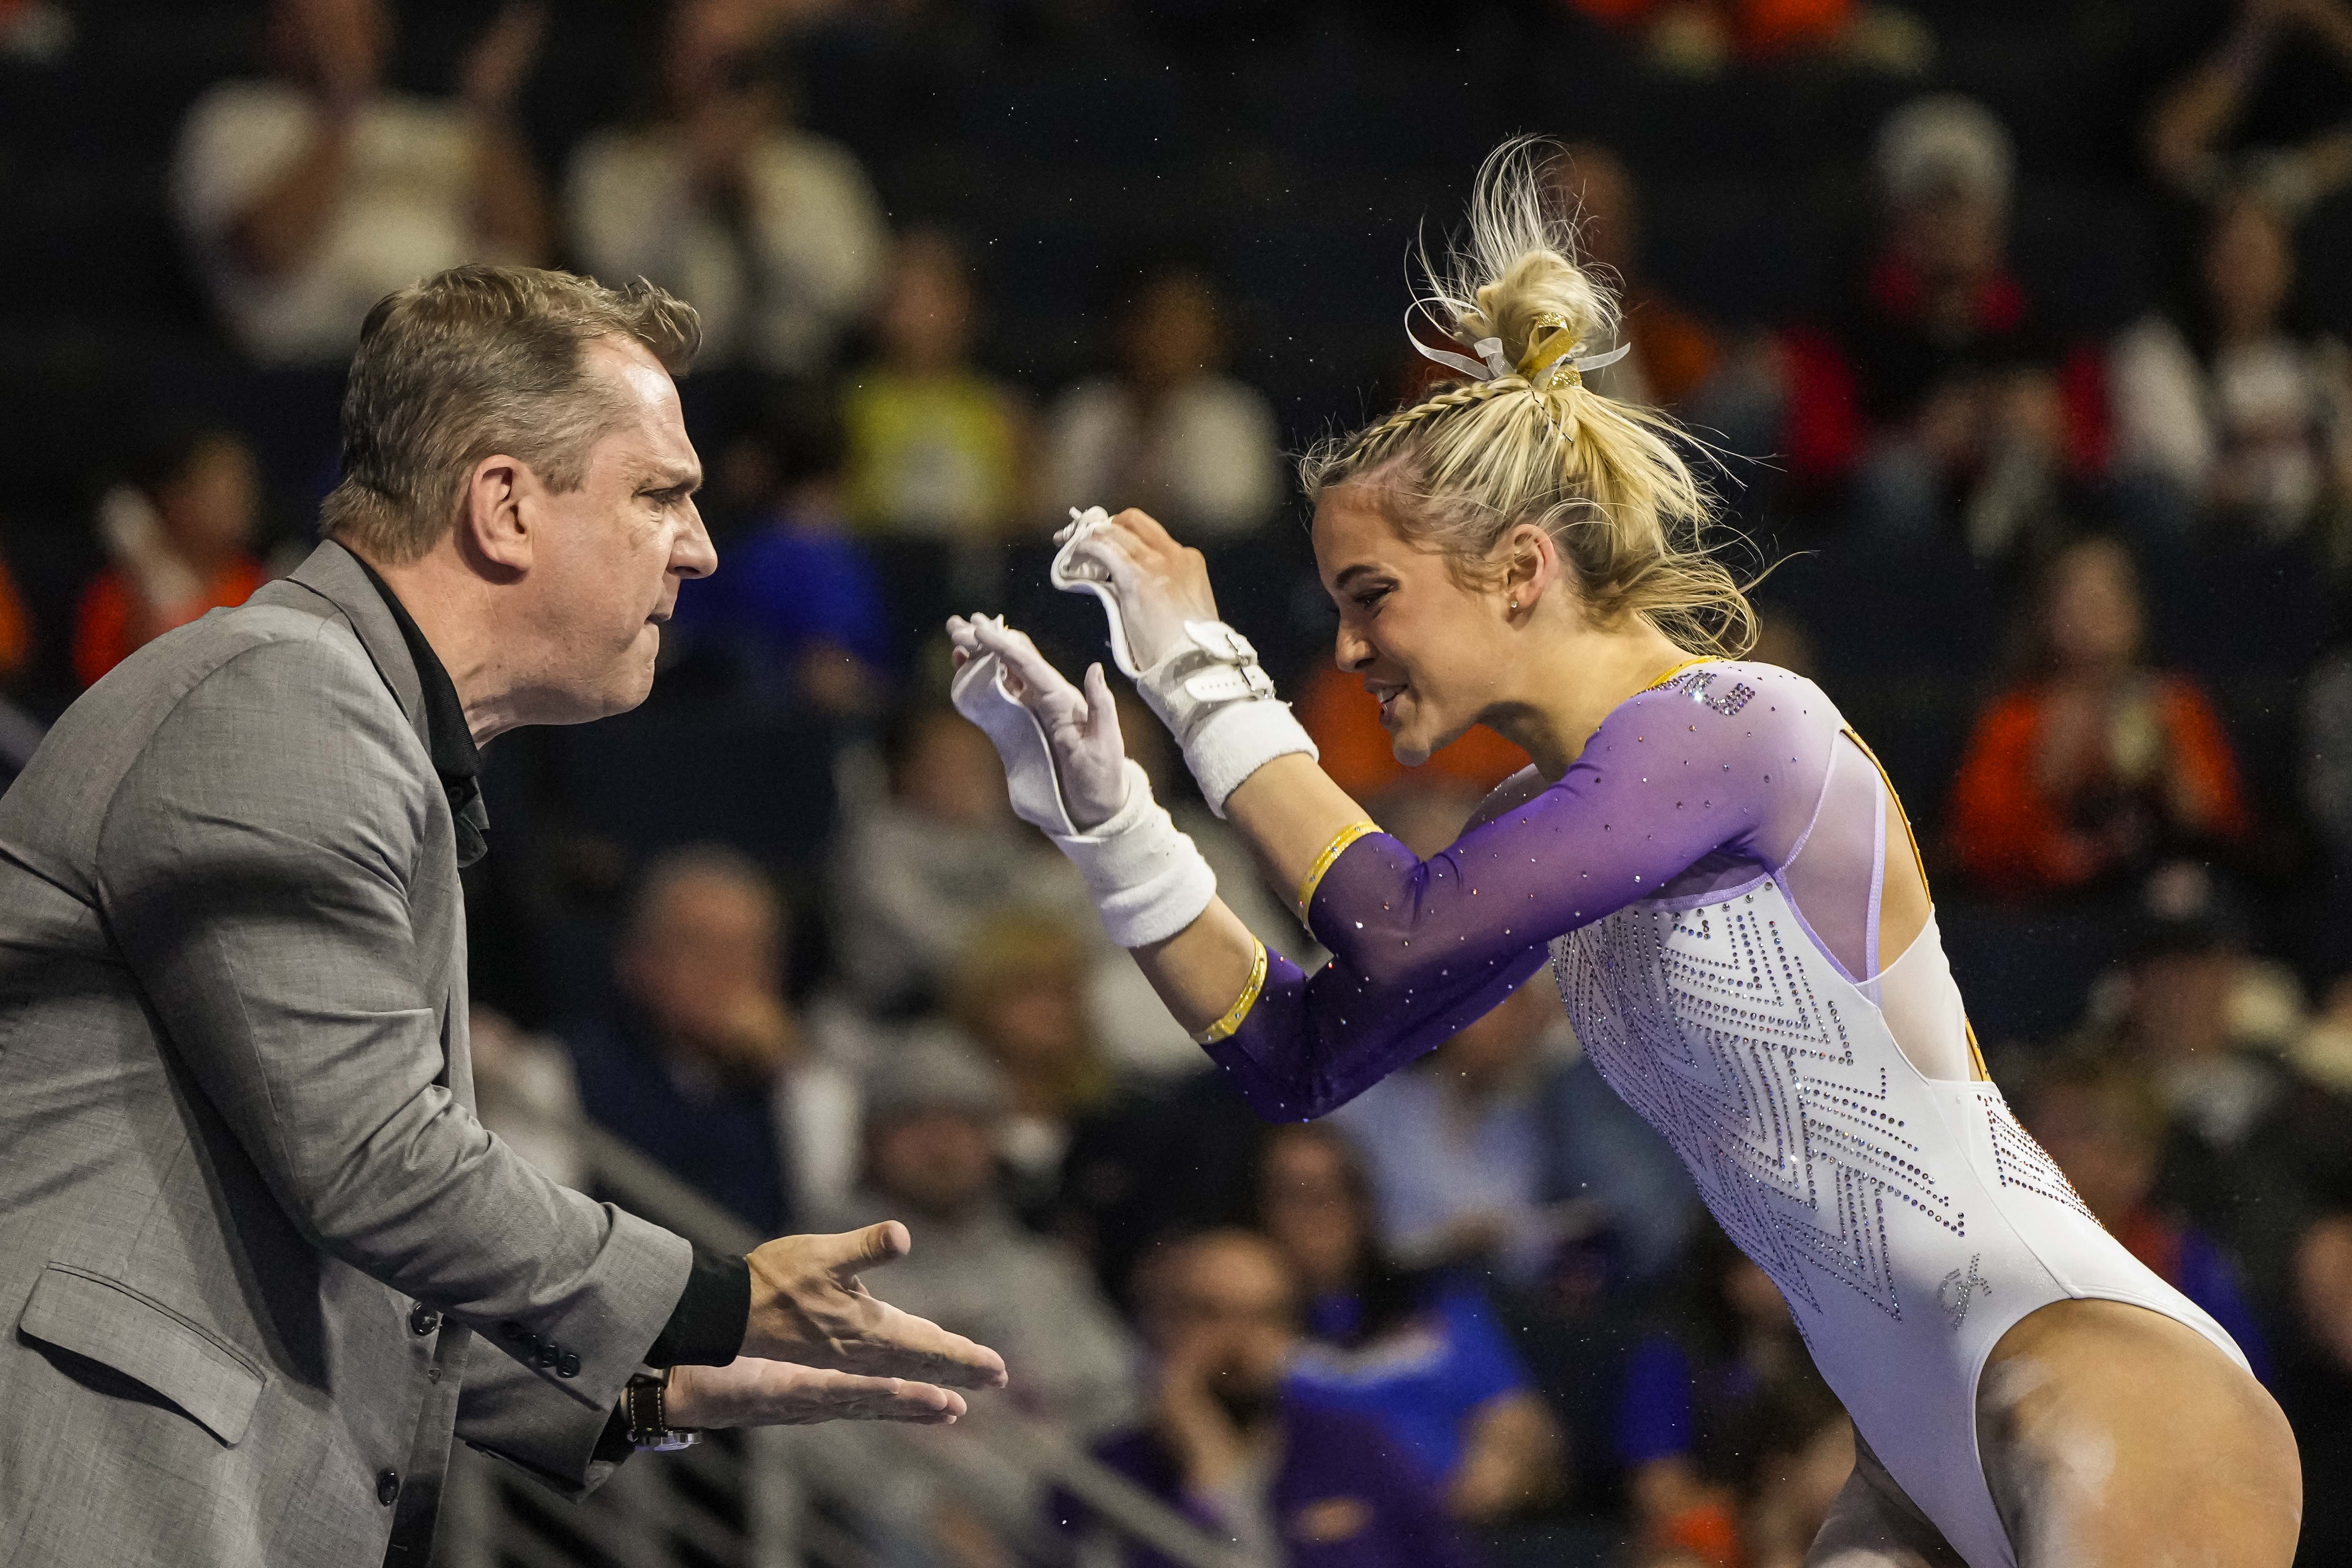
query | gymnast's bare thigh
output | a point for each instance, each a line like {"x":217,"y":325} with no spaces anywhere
{"x":2112,"y":1438}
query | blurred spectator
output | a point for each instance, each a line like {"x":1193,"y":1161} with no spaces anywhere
{"x":934,"y":1117}
{"x":309,"y":197}
{"x":1805,"y":1448}
{"x":1502,"y":1144}
{"x":773,"y":234}
{"x":178,"y":532}
{"x":2104,"y":1123}
{"x":1702,"y":37}
{"x":799,"y":598}
{"x":1709,"y":1404}
{"x":702,"y":1063}
{"x":526,"y":1093}
{"x":1942,"y":382}
{"x":1421,"y":1355}
{"x":2237,"y":414}
{"x":1170,"y":433}
{"x":2094,"y":765}
{"x":2325,"y":785}
{"x":1018,"y":992}
{"x":1287,"y":1481}
{"x":2316,"y":1385}
{"x":16,"y":631}
{"x":936,"y":446}
{"x":932,"y":1113}
{"x":2254,"y":1146}
{"x":2194,"y":134}
{"x":1675,"y":352}
{"x":917,"y":873}
{"x":1174,"y":1158}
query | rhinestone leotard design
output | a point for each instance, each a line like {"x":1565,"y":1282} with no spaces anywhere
{"x":1706,"y":882}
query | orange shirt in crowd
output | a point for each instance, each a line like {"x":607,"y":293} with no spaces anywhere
{"x":1345,"y":720}
{"x":2013,"y":838}
{"x":15,"y":625}
{"x":115,"y":620}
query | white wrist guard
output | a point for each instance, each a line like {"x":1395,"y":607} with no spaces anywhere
{"x":1221,"y":707}
{"x":1212,"y":693}
{"x":1148,"y":878}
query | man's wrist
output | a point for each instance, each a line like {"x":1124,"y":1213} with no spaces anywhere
{"x":706,"y":1326}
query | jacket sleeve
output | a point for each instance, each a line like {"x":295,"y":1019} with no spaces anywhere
{"x":254,"y":867}
{"x":506,"y":1409}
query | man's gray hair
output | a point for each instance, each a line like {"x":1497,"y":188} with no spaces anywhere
{"x":473,"y":361}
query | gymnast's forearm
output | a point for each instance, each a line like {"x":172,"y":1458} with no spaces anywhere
{"x":1202,"y":970}
{"x":1289,"y":812}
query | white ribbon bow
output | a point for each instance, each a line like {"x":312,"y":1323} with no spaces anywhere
{"x":1490,"y":364}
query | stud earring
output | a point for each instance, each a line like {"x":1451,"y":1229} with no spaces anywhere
{"x":1515,"y":604}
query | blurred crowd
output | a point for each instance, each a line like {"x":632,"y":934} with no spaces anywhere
{"x":2015,"y":336}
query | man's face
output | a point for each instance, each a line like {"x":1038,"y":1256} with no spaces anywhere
{"x":607,"y":558}
{"x":1228,"y":1307}
{"x":938,"y":1162}
{"x":704,"y":942}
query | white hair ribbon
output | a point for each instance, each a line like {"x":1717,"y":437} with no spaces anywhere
{"x":1489,"y":350}
{"x":1599,"y":361}
{"x":1495,"y":366}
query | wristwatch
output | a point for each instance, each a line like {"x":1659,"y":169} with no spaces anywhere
{"x":641,"y":1401}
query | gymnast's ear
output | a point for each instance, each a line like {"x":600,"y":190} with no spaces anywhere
{"x":1531,"y":565}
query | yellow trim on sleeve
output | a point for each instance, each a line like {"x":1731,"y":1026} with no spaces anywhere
{"x":1686,"y":664}
{"x":1225,"y":1026}
{"x":1331,"y":851}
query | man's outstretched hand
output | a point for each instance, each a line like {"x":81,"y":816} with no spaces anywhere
{"x":748,"y":1392}
{"x":809,"y":1307}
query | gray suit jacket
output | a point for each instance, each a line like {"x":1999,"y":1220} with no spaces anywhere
{"x":250,"y":1232}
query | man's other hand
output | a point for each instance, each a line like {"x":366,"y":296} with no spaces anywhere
{"x":749,"y":1392}
{"x":808,"y":1306}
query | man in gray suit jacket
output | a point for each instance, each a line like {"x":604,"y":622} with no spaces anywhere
{"x":258,"y":1260}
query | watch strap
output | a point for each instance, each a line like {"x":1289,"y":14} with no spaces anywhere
{"x":649,"y":1427}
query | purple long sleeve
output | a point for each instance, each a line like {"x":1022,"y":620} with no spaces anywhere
{"x":1707,"y":779}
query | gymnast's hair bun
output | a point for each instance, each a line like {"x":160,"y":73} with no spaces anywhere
{"x":1461,"y":470}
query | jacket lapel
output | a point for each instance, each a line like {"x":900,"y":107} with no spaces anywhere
{"x":333,"y":573}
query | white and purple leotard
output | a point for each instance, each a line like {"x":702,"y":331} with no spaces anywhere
{"x":1706,"y":881}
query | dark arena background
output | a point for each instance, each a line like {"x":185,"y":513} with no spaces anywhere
{"x":2018,"y":331}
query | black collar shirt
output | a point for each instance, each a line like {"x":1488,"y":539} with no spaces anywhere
{"x":449,"y":740}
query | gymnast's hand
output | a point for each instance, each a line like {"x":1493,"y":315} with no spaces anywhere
{"x":1081,"y":728}
{"x":1160,"y":584}
{"x":748,"y":1392}
{"x":808,"y":1306}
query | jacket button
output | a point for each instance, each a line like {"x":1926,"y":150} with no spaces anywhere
{"x":549,"y":1353}
{"x":423,"y":1321}
{"x":568,"y":1365}
{"x":387,"y":1488}
{"x":514,"y":1333}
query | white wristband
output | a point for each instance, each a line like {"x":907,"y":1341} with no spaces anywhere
{"x":1236,"y":741}
{"x":1149,"y":879}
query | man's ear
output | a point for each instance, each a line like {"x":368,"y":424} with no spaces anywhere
{"x":495,"y":521}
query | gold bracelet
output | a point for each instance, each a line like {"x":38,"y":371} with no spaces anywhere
{"x":1331,"y":851}
{"x":1225,"y":1026}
